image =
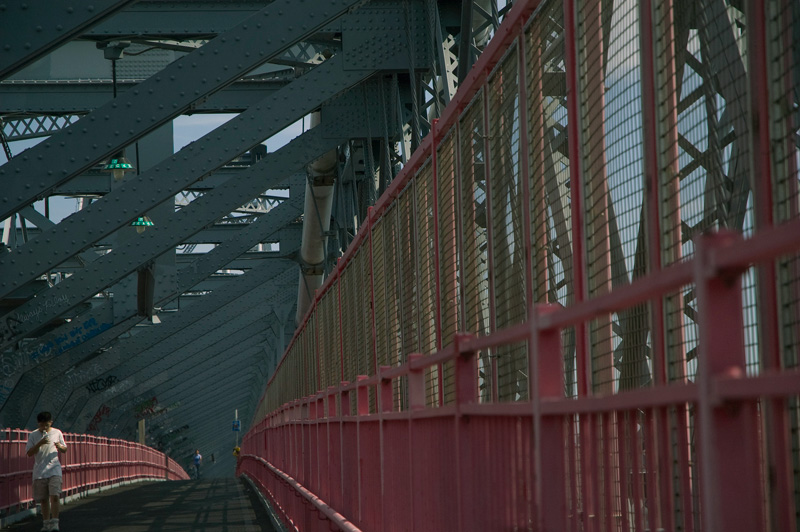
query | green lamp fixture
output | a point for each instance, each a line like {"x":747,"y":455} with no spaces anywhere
{"x":118,"y":164}
{"x":141,"y":223}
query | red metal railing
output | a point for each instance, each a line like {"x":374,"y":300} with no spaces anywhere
{"x":90,"y":462}
{"x":609,"y":207}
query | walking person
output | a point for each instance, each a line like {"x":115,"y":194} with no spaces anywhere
{"x":43,"y":445}
{"x":196,"y":461}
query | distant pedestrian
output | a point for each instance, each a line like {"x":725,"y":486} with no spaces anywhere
{"x":44,"y":445}
{"x":196,"y":461}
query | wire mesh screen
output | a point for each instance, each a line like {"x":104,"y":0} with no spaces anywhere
{"x":551,"y":217}
{"x":616,"y":243}
{"x":424,"y":212}
{"x":366,"y":359}
{"x":473,"y":222}
{"x":379,"y":287}
{"x":393,"y":354}
{"x":329,"y":344}
{"x":508,"y":224}
{"x":784,"y":48}
{"x":449,"y":264}
{"x":310,"y":355}
{"x":408,"y":270}
{"x":348,"y":284}
{"x":426,"y":234}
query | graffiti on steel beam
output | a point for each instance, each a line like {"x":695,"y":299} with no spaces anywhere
{"x":10,"y":326}
{"x":5,"y":391}
{"x":145,"y":408}
{"x":14,"y":362}
{"x":100,"y":384}
{"x":157,"y":411}
{"x":101,"y":414}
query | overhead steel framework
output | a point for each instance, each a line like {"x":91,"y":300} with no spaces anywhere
{"x":184,"y":323}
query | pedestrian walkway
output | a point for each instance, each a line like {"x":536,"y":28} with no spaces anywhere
{"x":217,"y":505}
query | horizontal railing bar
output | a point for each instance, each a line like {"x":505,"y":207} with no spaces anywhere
{"x":318,"y":503}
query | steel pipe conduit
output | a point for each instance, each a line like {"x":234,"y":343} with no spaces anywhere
{"x":316,"y":223}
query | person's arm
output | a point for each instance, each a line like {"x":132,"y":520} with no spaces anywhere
{"x":33,"y":449}
{"x":61,"y":445}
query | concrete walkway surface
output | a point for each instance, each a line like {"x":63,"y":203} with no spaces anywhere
{"x":215,"y":505}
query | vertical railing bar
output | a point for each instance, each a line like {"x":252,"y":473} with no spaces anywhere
{"x":487,"y":159}
{"x":577,"y":213}
{"x":436,"y":257}
{"x":774,"y":420}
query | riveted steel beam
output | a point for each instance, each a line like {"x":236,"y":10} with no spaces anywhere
{"x":95,"y":329}
{"x":226,"y":397}
{"x":110,"y":268}
{"x":121,"y":398}
{"x":185,"y":81}
{"x":168,"y":384}
{"x":136,"y":195}
{"x":174,"y":332}
{"x":33,"y":29}
{"x":157,"y":366}
{"x":57,"y":105}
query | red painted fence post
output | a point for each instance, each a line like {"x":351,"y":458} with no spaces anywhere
{"x":547,"y":368}
{"x":468,"y":486}
{"x":730,"y":484}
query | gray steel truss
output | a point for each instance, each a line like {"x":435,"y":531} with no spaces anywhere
{"x":173,"y":332}
{"x":31,"y":30}
{"x":199,"y":358}
{"x":138,"y":374}
{"x":174,"y":174}
{"x":51,"y":364}
{"x":206,"y":70}
{"x":222,"y":331}
{"x":135,"y":253}
{"x":236,"y":349}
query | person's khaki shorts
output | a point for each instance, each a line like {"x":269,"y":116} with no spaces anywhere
{"x":44,"y":487}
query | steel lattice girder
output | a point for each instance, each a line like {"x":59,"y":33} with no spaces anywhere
{"x":174,"y":332}
{"x":55,"y":366}
{"x":188,"y":276}
{"x":138,"y":375}
{"x":135,"y":253}
{"x":32,"y":29}
{"x":169,"y":177}
{"x":235,"y":347}
{"x":186,"y":414}
{"x":143,"y":109}
{"x":204,"y":414}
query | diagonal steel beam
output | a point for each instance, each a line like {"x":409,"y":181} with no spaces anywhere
{"x":236,"y":352}
{"x":172,"y":333}
{"x":51,"y":366}
{"x":191,"y":347}
{"x":105,"y":271}
{"x":166,"y":387}
{"x":31,"y":30}
{"x":211,"y":407}
{"x":175,"y":173}
{"x":258,"y":39}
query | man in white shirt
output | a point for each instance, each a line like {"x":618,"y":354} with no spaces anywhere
{"x":44,"y":445}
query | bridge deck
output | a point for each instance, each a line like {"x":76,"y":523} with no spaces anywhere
{"x":225,"y":504}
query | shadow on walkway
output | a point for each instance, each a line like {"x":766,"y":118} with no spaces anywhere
{"x":217,"y":505}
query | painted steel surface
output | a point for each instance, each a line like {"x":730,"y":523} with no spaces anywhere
{"x":599,"y":209}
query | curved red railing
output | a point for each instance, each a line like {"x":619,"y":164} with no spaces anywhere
{"x":90,"y":462}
